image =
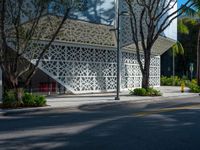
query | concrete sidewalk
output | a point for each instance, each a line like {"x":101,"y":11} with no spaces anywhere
{"x":77,"y":100}
{"x":72,"y":101}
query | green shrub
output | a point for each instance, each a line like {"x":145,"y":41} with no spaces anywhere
{"x":40,"y":101}
{"x":153,"y":92}
{"x":194,"y":88}
{"x":33,"y":100}
{"x":194,"y":81}
{"x":29,"y":100}
{"x":187,"y":83}
{"x":9,"y":99}
{"x":173,"y":81}
{"x":139,"y":92}
{"x":176,"y":81}
{"x":168,"y":81}
{"x":145,"y":92}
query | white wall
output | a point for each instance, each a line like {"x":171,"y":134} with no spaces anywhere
{"x":171,"y":31}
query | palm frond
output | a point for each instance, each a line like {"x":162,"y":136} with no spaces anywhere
{"x":178,"y":48}
{"x":182,"y":28}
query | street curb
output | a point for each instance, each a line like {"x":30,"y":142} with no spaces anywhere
{"x":6,"y":112}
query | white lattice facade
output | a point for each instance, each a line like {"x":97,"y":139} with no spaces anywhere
{"x":83,"y":56}
{"x":83,"y":68}
{"x":131,"y":74}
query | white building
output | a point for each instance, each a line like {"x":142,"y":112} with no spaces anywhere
{"x":83,"y":57}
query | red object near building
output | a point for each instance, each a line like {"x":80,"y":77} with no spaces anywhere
{"x":47,"y":87}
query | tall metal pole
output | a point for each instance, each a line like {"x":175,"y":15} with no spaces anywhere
{"x":118,"y":53}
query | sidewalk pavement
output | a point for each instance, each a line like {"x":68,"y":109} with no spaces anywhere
{"x":74,"y":101}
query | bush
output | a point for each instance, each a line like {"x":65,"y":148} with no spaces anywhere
{"x":194,"y":88}
{"x":40,"y":101}
{"x":145,"y":92}
{"x":171,"y":81}
{"x":139,"y":92}
{"x":153,"y":92}
{"x":33,"y":100}
{"x":28,"y":100}
{"x":9,"y":99}
{"x":194,"y":81}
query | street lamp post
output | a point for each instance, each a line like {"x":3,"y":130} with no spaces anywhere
{"x":118,"y":50}
{"x":118,"y":55}
{"x":173,"y":66}
{"x":117,"y":28}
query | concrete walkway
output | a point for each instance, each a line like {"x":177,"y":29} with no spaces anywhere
{"x":77,"y":100}
{"x":70,"y":101}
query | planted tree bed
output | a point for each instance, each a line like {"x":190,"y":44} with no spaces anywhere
{"x":28,"y":100}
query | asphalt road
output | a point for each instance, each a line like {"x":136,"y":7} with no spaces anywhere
{"x":166,"y":125}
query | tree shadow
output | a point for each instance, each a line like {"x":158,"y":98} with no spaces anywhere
{"x":97,"y":11}
{"x":107,"y":127}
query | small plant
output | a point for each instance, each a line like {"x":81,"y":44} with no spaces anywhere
{"x":194,"y":88}
{"x":9,"y":99}
{"x":139,"y":92}
{"x":173,"y":81}
{"x":33,"y":100}
{"x":28,"y":100}
{"x":169,"y":81}
{"x":40,"y":101}
{"x":153,"y":92}
{"x":145,"y":92}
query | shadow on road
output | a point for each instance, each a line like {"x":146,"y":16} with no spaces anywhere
{"x":104,"y":127}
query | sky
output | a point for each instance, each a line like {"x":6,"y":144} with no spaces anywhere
{"x":181,"y":2}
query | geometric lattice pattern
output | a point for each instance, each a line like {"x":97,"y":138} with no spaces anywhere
{"x":83,"y":59}
{"x":80,"y":68}
{"x":74,"y":31}
{"x":95,"y":35}
{"x":126,"y":25}
{"x":131,"y":74}
{"x":84,"y":69}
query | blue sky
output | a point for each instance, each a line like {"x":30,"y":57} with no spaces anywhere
{"x":181,"y":2}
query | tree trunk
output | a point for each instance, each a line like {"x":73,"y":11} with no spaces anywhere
{"x":13,"y":84}
{"x":19,"y":92}
{"x":198,"y":59}
{"x":145,"y":73}
{"x":145,"y":80}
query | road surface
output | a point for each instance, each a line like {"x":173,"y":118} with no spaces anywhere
{"x":165,"y":125}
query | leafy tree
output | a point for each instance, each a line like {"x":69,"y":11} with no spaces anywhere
{"x":177,"y":48}
{"x":195,"y":12}
{"x":20,"y":24}
{"x":148,"y":24}
{"x":189,"y":41}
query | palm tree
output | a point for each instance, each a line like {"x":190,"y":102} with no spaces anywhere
{"x":176,"y":49}
{"x":195,"y":13}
